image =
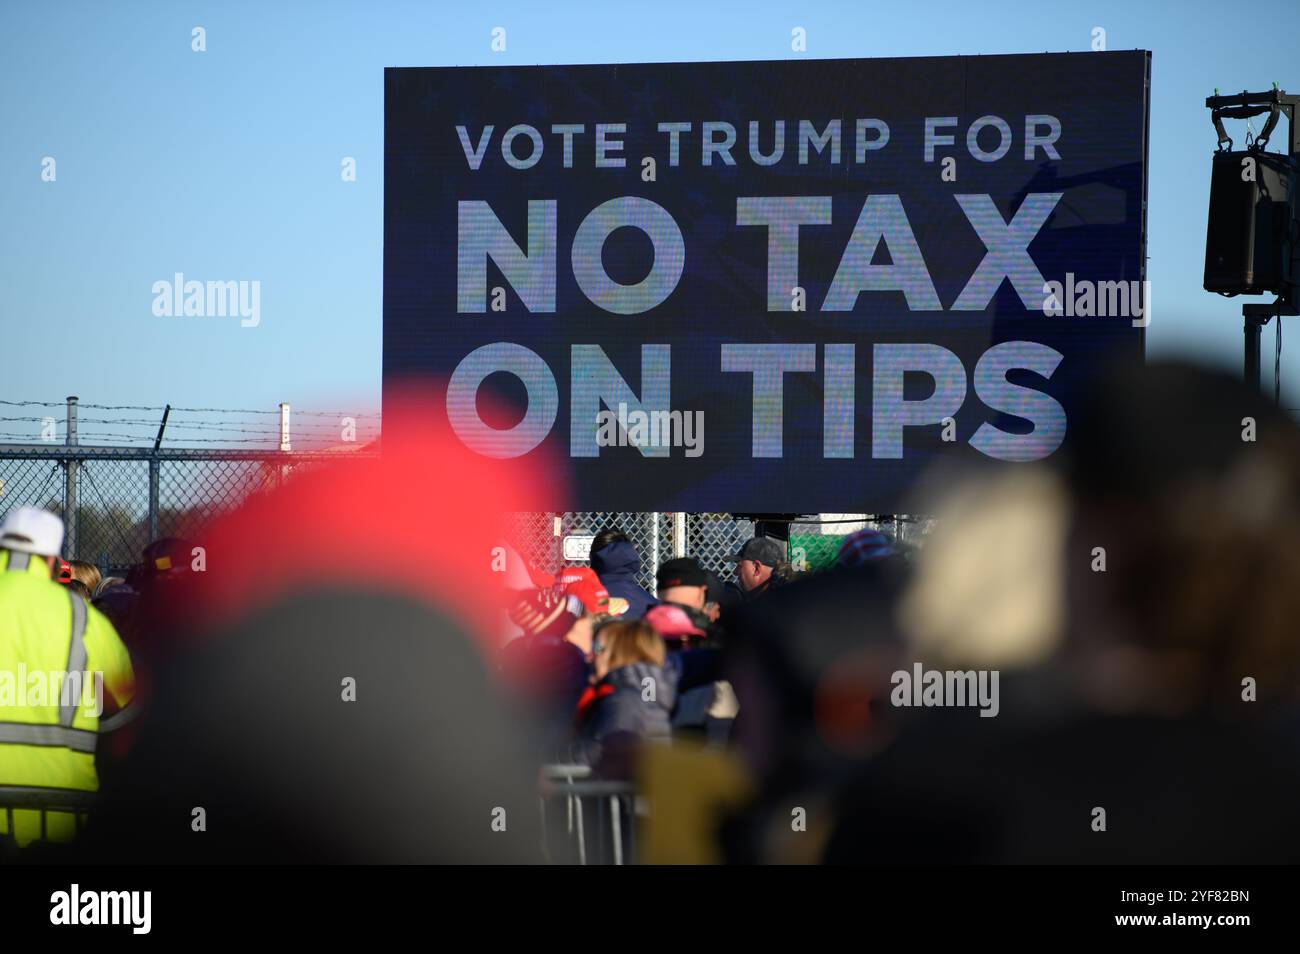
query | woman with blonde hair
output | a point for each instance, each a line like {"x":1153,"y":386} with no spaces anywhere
{"x":87,"y":573}
{"x":632,"y":695}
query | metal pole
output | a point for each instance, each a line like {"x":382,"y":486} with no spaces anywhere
{"x":557,"y":539}
{"x":70,"y":485}
{"x":154,"y":468}
{"x":582,"y":835}
{"x":1252,"y":326}
{"x":162,"y":426}
{"x":616,"y":828}
{"x":154,"y":473}
{"x":679,"y":534}
{"x":285,"y":444}
{"x":546,"y":848}
{"x":654,"y":543}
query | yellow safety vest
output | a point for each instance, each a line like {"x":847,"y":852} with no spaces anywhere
{"x":48,"y":732}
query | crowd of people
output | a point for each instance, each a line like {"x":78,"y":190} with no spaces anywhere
{"x":597,"y":664}
{"x":593,"y":665}
{"x":340,"y":683}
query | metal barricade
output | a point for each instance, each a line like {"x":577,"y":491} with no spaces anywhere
{"x":14,"y":798}
{"x":597,"y":823}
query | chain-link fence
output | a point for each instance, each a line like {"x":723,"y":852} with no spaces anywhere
{"x":121,"y":498}
{"x":125,"y":497}
{"x":552,"y":540}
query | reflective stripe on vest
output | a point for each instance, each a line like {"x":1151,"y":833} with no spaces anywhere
{"x":19,"y":733}
{"x":119,"y":718}
{"x":19,"y":561}
{"x":79,"y":740}
{"x":76,"y":655}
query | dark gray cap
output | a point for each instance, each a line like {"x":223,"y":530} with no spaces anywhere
{"x":763,"y":549}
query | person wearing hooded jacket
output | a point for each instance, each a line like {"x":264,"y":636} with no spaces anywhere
{"x":618,"y":565}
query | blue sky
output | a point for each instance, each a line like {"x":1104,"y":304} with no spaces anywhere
{"x":226,"y":163}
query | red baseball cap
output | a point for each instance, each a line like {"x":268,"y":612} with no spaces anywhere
{"x":583,"y":583}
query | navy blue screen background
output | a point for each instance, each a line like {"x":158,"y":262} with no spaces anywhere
{"x":1095,"y":232}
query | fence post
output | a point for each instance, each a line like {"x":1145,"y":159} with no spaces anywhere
{"x":70,"y":484}
{"x":154,"y":473}
{"x":285,"y":444}
{"x":679,"y":534}
{"x":654,"y":542}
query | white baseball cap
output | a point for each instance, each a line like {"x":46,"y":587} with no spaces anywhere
{"x":31,"y":530}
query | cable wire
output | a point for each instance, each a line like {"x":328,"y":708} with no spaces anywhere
{"x":40,"y":494}
{"x":128,"y":548}
{"x":1277,"y":365}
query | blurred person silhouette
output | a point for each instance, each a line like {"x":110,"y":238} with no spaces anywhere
{"x":153,"y":614}
{"x":134,"y":602}
{"x":864,"y":546}
{"x":328,"y":702}
{"x":1139,"y":600}
{"x":544,"y":670}
{"x":810,"y":666}
{"x":522,"y":573}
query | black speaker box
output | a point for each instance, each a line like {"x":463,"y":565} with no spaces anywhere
{"x":1248,"y":243}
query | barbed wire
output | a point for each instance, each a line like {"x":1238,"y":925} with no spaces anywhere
{"x":130,"y":440}
{"x":191,"y":410}
{"x":228,"y":410}
{"x":121,"y":407}
{"x":148,"y":439}
{"x":179,"y":431}
{"x":232,"y":427}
